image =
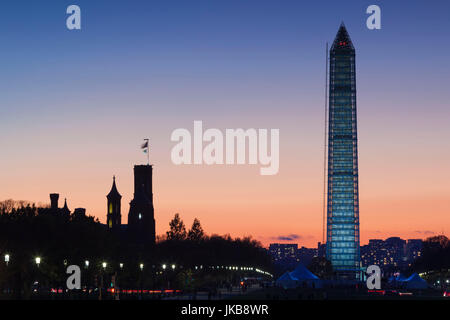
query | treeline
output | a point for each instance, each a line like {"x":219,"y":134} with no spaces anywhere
{"x":195,"y":248}
{"x":435,"y":255}
{"x":59,"y":240}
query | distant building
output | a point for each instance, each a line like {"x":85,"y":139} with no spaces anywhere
{"x":321,"y":249}
{"x":396,"y":251}
{"x":413,"y":250}
{"x":392,"y":254}
{"x":373,"y":253}
{"x":283,"y":253}
{"x":305,"y":255}
{"x":289,"y":254}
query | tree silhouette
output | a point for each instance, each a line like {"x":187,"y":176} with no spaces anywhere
{"x":321,"y":267}
{"x":435,"y":255}
{"x":196,"y":232}
{"x":27,"y":231}
{"x":177,"y":230}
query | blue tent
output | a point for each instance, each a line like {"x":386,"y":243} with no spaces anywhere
{"x":287,"y":281}
{"x":400,"y":278}
{"x":412,"y":282}
{"x":305,"y":278}
{"x":302,"y":273}
{"x":300,"y":277}
{"x":415,"y":282}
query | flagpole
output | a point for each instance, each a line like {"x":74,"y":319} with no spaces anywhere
{"x":148,"y":153}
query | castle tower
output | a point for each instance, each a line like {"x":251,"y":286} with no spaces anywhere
{"x":54,"y":201}
{"x":343,"y":196}
{"x":141,"y":219}
{"x":113,"y":216}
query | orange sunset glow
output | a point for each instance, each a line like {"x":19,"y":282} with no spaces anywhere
{"x":75,"y":108}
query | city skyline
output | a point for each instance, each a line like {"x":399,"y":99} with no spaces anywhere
{"x":90,"y":101}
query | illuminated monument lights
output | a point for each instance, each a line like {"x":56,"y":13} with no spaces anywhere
{"x":343,"y":197}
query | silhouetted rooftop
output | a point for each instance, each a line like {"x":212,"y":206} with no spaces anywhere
{"x":65,"y":209}
{"x":114,"y":193}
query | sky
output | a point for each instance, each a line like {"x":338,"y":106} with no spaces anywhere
{"x":75,"y":106}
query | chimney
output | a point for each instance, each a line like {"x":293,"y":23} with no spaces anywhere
{"x":54,"y":201}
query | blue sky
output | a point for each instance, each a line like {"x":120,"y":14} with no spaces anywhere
{"x":75,"y":105}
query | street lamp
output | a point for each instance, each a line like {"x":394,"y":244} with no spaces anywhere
{"x":121,"y":265}
{"x":164,"y":266}
{"x":38,"y":260}
{"x":6,"y":259}
{"x":173,"y":267}
{"x":104,"y":264}
{"x":86,"y":263}
{"x":141,"y":266}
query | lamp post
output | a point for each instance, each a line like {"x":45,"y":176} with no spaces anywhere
{"x":141,"y":280}
{"x":86,"y":264}
{"x":100,"y":296}
{"x":173,"y":267}
{"x":6,"y":259}
{"x":37,"y":260}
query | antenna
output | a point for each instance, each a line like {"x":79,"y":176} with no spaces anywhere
{"x":324,"y":204}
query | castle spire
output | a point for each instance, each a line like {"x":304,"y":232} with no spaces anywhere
{"x":113,"y":215}
{"x":65,"y":209}
{"x":114,"y":193}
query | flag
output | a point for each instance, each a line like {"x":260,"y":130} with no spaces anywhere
{"x":145,"y":146}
